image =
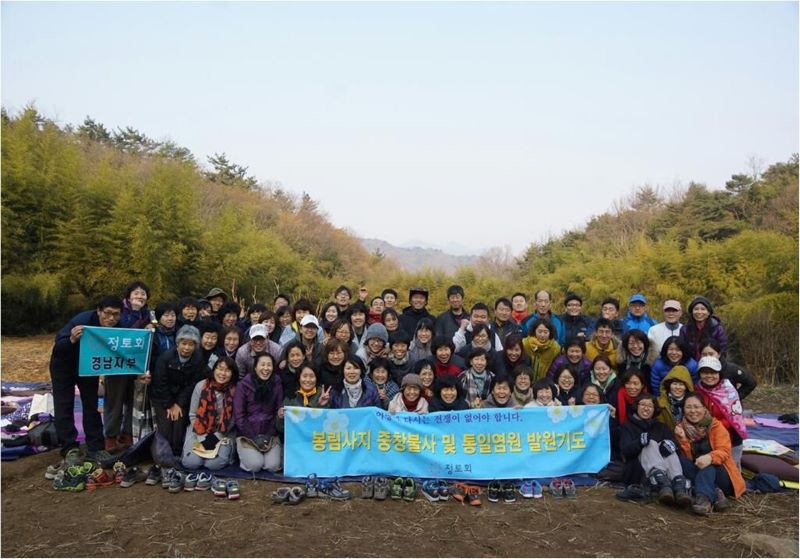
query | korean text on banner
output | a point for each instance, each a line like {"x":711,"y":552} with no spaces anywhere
{"x":497,"y":443}
{"x":114,"y":351}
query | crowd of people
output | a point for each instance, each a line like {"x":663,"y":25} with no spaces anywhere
{"x":220,"y":376}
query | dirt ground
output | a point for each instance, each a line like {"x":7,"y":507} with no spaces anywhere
{"x":148,"y":521}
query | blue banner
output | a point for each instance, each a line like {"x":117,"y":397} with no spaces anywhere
{"x":114,"y":351}
{"x":477,"y":444}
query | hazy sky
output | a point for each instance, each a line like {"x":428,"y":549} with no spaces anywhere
{"x":472,"y":124}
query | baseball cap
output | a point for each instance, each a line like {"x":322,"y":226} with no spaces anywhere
{"x":309,"y":319}
{"x":638,"y":298}
{"x":710,"y":363}
{"x":258,"y":330}
{"x":672,"y":304}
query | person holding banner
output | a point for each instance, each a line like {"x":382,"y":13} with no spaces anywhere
{"x":448,"y":395}
{"x":256,"y":402}
{"x":353,"y":392}
{"x":409,"y":399}
{"x":64,"y":377}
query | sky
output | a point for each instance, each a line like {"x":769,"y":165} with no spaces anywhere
{"x":459,"y":125}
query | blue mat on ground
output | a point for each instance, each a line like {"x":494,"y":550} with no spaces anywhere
{"x":787,"y":437}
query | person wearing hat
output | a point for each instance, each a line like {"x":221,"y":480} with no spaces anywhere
{"x":671,"y":326}
{"x":576,"y":324}
{"x":175,"y":375}
{"x":409,"y":399}
{"x":701,"y":326}
{"x":259,"y":343}
{"x":375,"y":343}
{"x":637,"y":317}
{"x":216,"y":298}
{"x":448,"y":322}
{"x":416,"y":311}
{"x":308,"y":335}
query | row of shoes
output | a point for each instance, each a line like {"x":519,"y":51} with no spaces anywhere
{"x":326,"y":489}
{"x":377,"y":488}
{"x":176,"y":481}
{"x":289,"y":495}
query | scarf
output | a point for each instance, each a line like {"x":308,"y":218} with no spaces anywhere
{"x":675,"y":407}
{"x":724,"y":403}
{"x":263,"y":388}
{"x":697,"y":434}
{"x":208,"y":415}
{"x":522,"y":398}
{"x":536,"y":345}
{"x":306,"y":395}
{"x":445,"y":369}
{"x":410,"y":405}
{"x":632,"y":362}
{"x":373,"y":318}
{"x":487,"y":346}
{"x":623,"y":401}
{"x":518,"y":316}
{"x":603,"y":385}
{"x":354,"y":392}
{"x":395,"y":361}
{"x":427,"y":393}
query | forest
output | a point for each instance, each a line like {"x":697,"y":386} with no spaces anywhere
{"x":86,"y":209}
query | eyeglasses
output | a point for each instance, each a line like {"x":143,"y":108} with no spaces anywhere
{"x":110,"y":314}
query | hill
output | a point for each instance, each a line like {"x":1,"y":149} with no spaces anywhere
{"x":418,"y":258}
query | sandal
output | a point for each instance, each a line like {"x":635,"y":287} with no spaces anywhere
{"x":459,"y":492}
{"x":296,"y":494}
{"x":281,"y":495}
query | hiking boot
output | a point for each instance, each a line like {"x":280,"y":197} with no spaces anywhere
{"x":634,"y":492}
{"x":131,"y":476}
{"x":312,"y":486}
{"x":722,"y":503}
{"x":397,"y":489}
{"x":659,"y":480}
{"x":232,"y":489}
{"x":153,"y":475}
{"x":444,"y":490}
{"x":381,"y":488}
{"x":119,"y":471}
{"x":68,"y":481}
{"x":100,"y":456}
{"x":430,"y":490}
{"x":682,"y":497}
{"x":702,"y":505}
{"x":493,"y":491}
{"x":336,"y":491}
{"x":556,"y":488}
{"x":409,"y":489}
{"x":166,"y":478}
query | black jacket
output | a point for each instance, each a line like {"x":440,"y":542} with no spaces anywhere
{"x":447,"y":323}
{"x":173,"y":381}
{"x":573,"y":325}
{"x":630,"y":435}
{"x":409,"y":318}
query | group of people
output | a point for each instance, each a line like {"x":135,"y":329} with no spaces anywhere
{"x":221,"y":376}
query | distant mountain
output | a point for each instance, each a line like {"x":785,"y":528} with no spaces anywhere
{"x":416,"y":258}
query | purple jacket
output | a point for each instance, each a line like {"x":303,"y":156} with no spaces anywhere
{"x":254,"y":417}
{"x":696,"y":340}
{"x":369,"y":397}
{"x":580,"y":369}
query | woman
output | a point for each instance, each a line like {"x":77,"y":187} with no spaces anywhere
{"x":252,"y":317}
{"x":330,"y":366}
{"x":674,"y":352}
{"x":427,"y":376}
{"x":574,"y":358}
{"x":353,"y":392}
{"x":342,"y":330}
{"x":674,"y":389}
{"x":256,"y":402}
{"x":270,"y":321}
{"x":328,"y":315}
{"x":409,"y":399}
{"x":631,"y":385}
{"x":445,"y":362}
{"x":522,"y":393}
{"x":512,"y":356}
{"x":648,"y":447}
{"x":380,"y":378}
{"x":309,"y":393}
{"x":420,"y":347}
{"x":603,"y":376}
{"x":742,"y":380}
{"x":706,"y":457}
{"x":294,"y":358}
{"x":231,"y":336}
{"x":499,"y":393}
{"x":448,"y":395}
{"x":481,"y":338}
{"x":164,"y":334}
{"x":722,"y":400}
{"x":702,"y":326}
{"x":541,"y":346}
{"x":591,"y":395}
{"x":284,"y":331}
{"x":212,"y":424}
{"x":391,"y":320}
{"x":633,"y":353}
{"x":567,"y":387}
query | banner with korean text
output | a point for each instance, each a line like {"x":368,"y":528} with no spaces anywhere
{"x":494,"y":443}
{"x":114,"y":351}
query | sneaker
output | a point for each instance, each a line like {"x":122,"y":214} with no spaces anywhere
{"x":332,"y":490}
{"x":153,"y":475}
{"x":430,"y":490}
{"x":569,"y":488}
{"x":176,"y":482}
{"x":53,"y":469}
{"x":381,"y":488}
{"x":722,"y":503}
{"x":98,"y":478}
{"x":397,"y":489}
{"x":473,"y":495}
{"x":367,"y":487}
{"x":73,"y":457}
{"x":459,"y":492}
{"x":509,"y":493}
{"x":409,"y":489}
{"x":203,"y":481}
{"x":634,"y":492}
{"x":526,"y":489}
{"x":67,"y":481}
{"x":166,"y":478}
{"x":493,"y":491}
{"x":132,"y":476}
{"x":537,"y":489}
{"x":556,"y":488}
{"x":100,"y":456}
{"x":232,"y":489}
{"x":219,"y":487}
{"x":444,"y":490}
{"x":119,"y":471}
{"x":312,"y":486}
{"x":702,"y":505}
{"x":190,"y":482}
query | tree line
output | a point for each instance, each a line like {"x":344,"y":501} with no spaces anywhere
{"x":85,"y":210}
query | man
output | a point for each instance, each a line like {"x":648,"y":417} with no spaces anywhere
{"x":309,"y":327}
{"x":602,"y":342}
{"x":389,"y":297}
{"x":504,"y":325}
{"x":279,"y":301}
{"x":259,"y":343}
{"x":671,"y":326}
{"x":637,"y":317}
{"x":542,"y":310}
{"x":176,"y":373}
{"x":609,"y":309}
{"x":449,"y":321}
{"x":216,"y":298}
{"x":575,"y":322}
{"x":416,"y":311}
{"x":519,"y":306}
{"x":64,"y":376}
{"x":342,"y":296}
{"x":479,"y":314}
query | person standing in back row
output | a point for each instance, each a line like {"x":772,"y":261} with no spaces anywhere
{"x":416,"y":311}
{"x":449,"y":321}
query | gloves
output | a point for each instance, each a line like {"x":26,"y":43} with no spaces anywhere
{"x":644,"y":438}
{"x":666,"y":447}
{"x":790,"y":418}
{"x":210,"y":442}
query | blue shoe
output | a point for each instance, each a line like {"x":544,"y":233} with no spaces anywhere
{"x":537,"y":489}
{"x":312,"y":486}
{"x":526,"y":489}
{"x":430,"y":490}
